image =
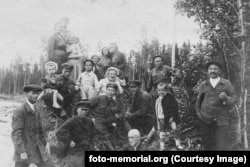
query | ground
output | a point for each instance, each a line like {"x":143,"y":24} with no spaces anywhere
{"x":6,"y":108}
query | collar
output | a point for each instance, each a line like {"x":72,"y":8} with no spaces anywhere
{"x":221,"y":81}
{"x":214,"y":79}
{"x":31,"y":106}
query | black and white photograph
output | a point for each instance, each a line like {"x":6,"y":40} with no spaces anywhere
{"x":122,"y":75}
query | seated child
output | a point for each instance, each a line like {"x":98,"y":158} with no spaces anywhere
{"x":166,"y":113}
{"x":51,"y":68}
{"x":87,"y":81}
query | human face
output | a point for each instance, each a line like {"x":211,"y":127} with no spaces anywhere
{"x":110,"y":91}
{"x":51,"y":70}
{"x":59,"y":28}
{"x":158,"y":62}
{"x":88,"y":66}
{"x":161,"y":90}
{"x":95,"y":59}
{"x":32,"y":96}
{"x":133,"y":89}
{"x":105,"y":51}
{"x":82,"y":111}
{"x":134,"y":140}
{"x":48,"y":90}
{"x":213,"y":71}
{"x":66,"y":73}
{"x":112,"y":75}
{"x":112,"y":48}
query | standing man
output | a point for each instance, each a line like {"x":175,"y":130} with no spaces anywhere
{"x":118,"y":59}
{"x":159,"y":73}
{"x":139,"y":114}
{"x":79,"y":131}
{"x":27,"y":134}
{"x":215,"y":102}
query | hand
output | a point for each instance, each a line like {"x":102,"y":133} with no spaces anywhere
{"x":72,"y":144}
{"x":76,"y":88}
{"x":23,"y":156}
{"x":170,"y":120}
{"x":128,"y":114}
{"x":223,"y":95}
{"x":47,"y":150}
{"x":118,"y":115}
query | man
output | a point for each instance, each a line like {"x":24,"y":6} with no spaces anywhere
{"x":118,"y":59}
{"x":67,"y":89}
{"x":157,"y":74}
{"x":134,"y":138}
{"x":79,"y":131}
{"x":27,"y":134}
{"x":105,"y":110}
{"x":97,"y":68}
{"x":215,"y":102}
{"x":139,"y":114}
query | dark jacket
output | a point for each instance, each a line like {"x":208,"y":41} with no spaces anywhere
{"x":80,"y":131}
{"x":104,"y":109}
{"x":156,"y":76}
{"x":142,"y":105}
{"x":119,"y":61}
{"x":128,"y":147}
{"x":170,"y":109}
{"x":27,"y":134}
{"x":210,"y":107}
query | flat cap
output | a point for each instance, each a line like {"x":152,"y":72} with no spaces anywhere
{"x":28,"y":88}
{"x":112,"y":85}
{"x":49,"y":85}
{"x":134,"y":82}
{"x":214,"y":63}
{"x":83,"y":104}
{"x":67,"y":66}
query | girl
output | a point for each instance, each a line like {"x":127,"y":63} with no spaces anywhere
{"x":87,"y":81}
{"x":166,"y":113}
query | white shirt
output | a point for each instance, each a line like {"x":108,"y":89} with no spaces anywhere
{"x":31,"y":105}
{"x":214,"y":81}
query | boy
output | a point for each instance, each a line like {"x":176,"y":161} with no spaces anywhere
{"x":166,"y":113}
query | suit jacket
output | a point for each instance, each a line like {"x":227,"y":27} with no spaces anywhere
{"x":170,"y":109}
{"x":27,"y":134}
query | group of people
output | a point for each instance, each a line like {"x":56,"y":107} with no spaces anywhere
{"x":78,"y":109}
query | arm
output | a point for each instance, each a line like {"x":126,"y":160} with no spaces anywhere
{"x":150,"y":82}
{"x":78,"y":81}
{"x":199,"y":100}
{"x":96,"y":82}
{"x":63,"y":132}
{"x":18,"y":130}
{"x":231,"y":98}
{"x":51,"y":44}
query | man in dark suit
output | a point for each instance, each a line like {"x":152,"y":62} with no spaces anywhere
{"x":27,"y":134}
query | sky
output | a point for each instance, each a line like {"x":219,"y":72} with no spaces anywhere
{"x":24,"y":23}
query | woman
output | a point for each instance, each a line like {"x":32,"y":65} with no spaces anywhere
{"x":57,"y":46}
{"x":74,"y":57}
{"x":105,"y":60}
{"x":111,"y":77}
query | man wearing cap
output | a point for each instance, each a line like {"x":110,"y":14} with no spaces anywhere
{"x":105,"y":110}
{"x":27,"y":134}
{"x":214,"y":105}
{"x":135,"y":144}
{"x":157,"y":74}
{"x":79,"y":131}
{"x":67,"y":89}
{"x":139,"y":113}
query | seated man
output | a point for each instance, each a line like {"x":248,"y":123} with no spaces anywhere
{"x":139,"y":114}
{"x":77,"y":133}
{"x":105,"y":110}
{"x":134,"y":138}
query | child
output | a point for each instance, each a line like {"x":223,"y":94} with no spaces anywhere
{"x":111,"y":77}
{"x":166,"y":113}
{"x":51,"y":68}
{"x":87,"y":81}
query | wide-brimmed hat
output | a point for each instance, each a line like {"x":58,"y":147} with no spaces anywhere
{"x":28,"y":88}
